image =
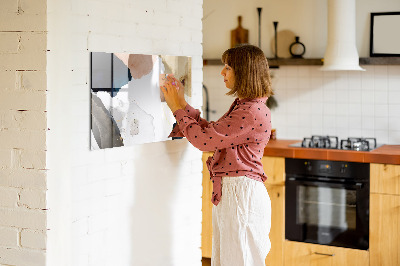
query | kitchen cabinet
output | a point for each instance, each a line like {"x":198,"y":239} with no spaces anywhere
{"x":385,"y":178}
{"x":385,"y":230}
{"x":274,"y":168}
{"x":385,"y":215}
{"x":277,"y":233}
{"x":206,"y":225}
{"x":305,"y":254}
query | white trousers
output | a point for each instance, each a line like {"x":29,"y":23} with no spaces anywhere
{"x":241,"y":223}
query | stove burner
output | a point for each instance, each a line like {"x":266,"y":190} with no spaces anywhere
{"x":328,"y":142}
{"x":332,"y":142}
{"x":358,"y":144}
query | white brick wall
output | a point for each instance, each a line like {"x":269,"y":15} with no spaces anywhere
{"x":138,"y":205}
{"x":23,"y":132}
{"x":99,"y":204}
{"x":9,"y":237}
{"x":33,"y":239}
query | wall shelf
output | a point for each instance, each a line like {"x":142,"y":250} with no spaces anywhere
{"x":273,"y":63}
{"x":380,"y":61}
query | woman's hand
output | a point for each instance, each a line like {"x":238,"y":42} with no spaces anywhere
{"x":174,"y":93}
{"x":181,"y":91}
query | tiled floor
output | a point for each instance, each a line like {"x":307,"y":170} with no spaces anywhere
{"x":206,"y":261}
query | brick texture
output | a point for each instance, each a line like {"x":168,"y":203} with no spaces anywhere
{"x":9,"y":237}
{"x":23,"y":218}
{"x":23,"y":125}
{"x":33,"y":239}
{"x":8,"y":197}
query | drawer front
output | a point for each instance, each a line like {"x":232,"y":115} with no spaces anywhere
{"x":385,"y":178}
{"x":297,"y":253}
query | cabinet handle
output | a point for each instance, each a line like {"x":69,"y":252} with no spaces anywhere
{"x":324,"y":254}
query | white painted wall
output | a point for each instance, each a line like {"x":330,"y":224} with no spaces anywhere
{"x":344,"y":103}
{"x":23,"y":133}
{"x":138,"y":205}
{"x":306,"y":18}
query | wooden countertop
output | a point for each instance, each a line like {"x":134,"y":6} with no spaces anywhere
{"x":389,"y":154}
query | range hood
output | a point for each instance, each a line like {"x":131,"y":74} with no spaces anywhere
{"x":341,"y":51}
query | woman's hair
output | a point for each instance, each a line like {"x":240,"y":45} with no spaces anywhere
{"x":250,"y":66}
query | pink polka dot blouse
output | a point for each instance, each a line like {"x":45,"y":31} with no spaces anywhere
{"x":238,"y":139}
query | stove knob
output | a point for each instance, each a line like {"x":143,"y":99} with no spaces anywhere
{"x":308,"y":166}
{"x":343,"y":168}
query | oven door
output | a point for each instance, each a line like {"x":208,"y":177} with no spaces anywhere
{"x":327,"y":213}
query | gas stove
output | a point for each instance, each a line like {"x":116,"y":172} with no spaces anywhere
{"x":332,"y":142}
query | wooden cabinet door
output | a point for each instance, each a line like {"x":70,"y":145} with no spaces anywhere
{"x":384,"y":237}
{"x":274,"y":168}
{"x":206,"y":226}
{"x":304,"y":254}
{"x":385,"y":178}
{"x":277,"y":233}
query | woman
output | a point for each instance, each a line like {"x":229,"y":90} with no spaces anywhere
{"x":242,"y":208}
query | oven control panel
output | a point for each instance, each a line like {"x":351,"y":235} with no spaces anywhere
{"x":337,"y":169}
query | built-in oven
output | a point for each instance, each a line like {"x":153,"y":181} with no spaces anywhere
{"x":327,"y":202}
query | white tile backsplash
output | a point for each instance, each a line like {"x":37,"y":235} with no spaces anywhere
{"x":292,"y":82}
{"x":394,"y":123}
{"x":380,"y":71}
{"x":342,"y":123}
{"x":381,"y":84}
{"x":394,"y":97}
{"x":304,"y":82}
{"x":381,"y":122}
{"x":394,"y":82}
{"x":329,"y":109}
{"x":393,"y":71}
{"x":394,"y":137}
{"x":382,"y":136}
{"x":381,"y":110}
{"x":367,"y":97}
{"x":381,"y":97}
{"x":343,"y":103}
{"x":291,"y":71}
{"x":367,"y":109}
{"x":368,"y":123}
{"x":343,"y":96}
{"x":394,"y":110}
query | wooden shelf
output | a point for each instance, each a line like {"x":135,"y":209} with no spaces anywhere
{"x":380,"y":61}
{"x":273,"y":63}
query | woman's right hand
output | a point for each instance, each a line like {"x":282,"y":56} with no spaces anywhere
{"x":181,"y":91}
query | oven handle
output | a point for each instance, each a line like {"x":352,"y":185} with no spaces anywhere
{"x":357,"y":185}
{"x":324,"y":254}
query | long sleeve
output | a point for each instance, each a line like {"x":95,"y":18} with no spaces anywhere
{"x":193,"y":113}
{"x":229,"y":131}
{"x":238,"y":139}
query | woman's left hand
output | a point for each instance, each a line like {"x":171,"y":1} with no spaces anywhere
{"x":170,"y":90}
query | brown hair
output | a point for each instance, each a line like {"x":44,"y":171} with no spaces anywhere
{"x":250,"y":66}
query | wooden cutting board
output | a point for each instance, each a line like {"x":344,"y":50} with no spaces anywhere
{"x":239,"y":35}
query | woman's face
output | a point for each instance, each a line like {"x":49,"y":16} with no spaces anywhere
{"x":229,"y":76}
